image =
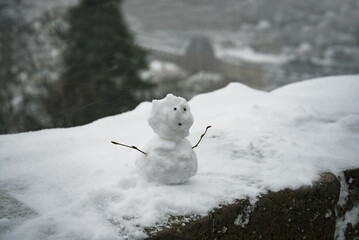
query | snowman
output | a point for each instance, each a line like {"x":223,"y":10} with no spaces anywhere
{"x":169,"y":157}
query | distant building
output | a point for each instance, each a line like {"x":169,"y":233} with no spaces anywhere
{"x":199,"y":56}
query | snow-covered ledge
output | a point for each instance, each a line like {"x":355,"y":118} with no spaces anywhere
{"x":327,"y":209}
{"x":304,"y":213}
{"x":74,"y":184}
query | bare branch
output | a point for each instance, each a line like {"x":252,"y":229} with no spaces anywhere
{"x":201,"y":137}
{"x":133,"y":147}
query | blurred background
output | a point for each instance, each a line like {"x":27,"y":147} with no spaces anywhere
{"x":69,"y":62}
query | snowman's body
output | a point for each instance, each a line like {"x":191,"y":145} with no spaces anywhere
{"x":168,"y":162}
{"x":170,"y":158}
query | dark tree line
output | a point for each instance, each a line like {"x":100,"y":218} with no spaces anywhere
{"x":101,"y":64}
{"x":99,"y":73}
{"x":14,"y":66}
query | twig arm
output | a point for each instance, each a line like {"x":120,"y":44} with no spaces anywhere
{"x":133,"y":147}
{"x":201,"y":137}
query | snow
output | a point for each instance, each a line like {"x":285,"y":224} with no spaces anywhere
{"x":351,"y":216}
{"x":162,"y":66}
{"x":83,"y":187}
{"x":263,"y":24}
{"x":168,"y":162}
{"x":328,"y":97}
{"x":169,"y":158}
{"x":243,"y":219}
{"x":160,"y":72}
{"x":249,"y":55}
{"x":204,"y":82}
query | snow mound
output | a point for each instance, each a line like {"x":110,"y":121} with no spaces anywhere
{"x":83,"y":187}
{"x":335,"y":95}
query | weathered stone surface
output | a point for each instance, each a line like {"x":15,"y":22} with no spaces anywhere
{"x":352,"y":179}
{"x":304,"y":213}
{"x":352,"y":232}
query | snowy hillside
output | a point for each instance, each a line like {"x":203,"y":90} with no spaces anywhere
{"x":78,"y":185}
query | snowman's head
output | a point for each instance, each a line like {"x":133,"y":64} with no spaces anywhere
{"x":171,"y":117}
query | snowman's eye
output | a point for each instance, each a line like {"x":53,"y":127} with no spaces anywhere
{"x":175,"y":109}
{"x":185,"y":109}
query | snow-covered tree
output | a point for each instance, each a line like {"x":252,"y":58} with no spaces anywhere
{"x":102,"y":64}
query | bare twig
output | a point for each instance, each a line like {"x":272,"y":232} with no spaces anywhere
{"x":201,"y":137}
{"x":134,"y":147}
